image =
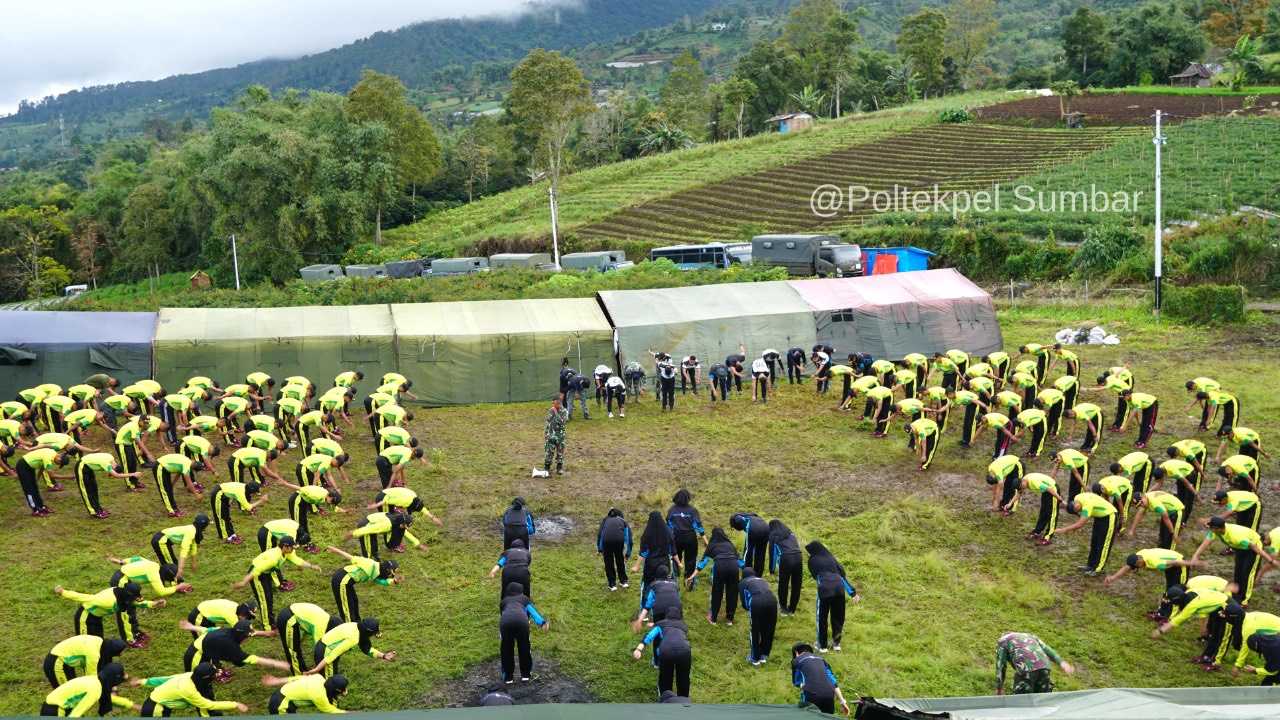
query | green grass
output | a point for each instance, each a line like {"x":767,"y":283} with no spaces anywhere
{"x":592,"y":194}
{"x":919,"y":546}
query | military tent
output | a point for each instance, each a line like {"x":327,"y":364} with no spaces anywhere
{"x":709,"y":321}
{"x":498,"y":350}
{"x":892,"y":315}
{"x":66,"y":347}
{"x":1219,"y":703}
{"x":228,"y":343}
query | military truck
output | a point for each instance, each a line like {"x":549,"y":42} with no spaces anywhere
{"x":808,"y":255}
{"x":535,"y":261}
{"x":603,"y":260}
{"x":445,"y":267}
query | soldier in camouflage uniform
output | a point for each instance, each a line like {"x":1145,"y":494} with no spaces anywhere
{"x":557,"y":416}
{"x":1031,"y":659}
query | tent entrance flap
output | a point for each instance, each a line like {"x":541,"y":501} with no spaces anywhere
{"x":10,"y":355}
{"x":360,"y":351}
{"x":107,"y":358}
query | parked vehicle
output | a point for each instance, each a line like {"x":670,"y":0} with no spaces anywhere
{"x":445,"y":267}
{"x":693,"y":257}
{"x":807,"y":255}
{"x":602,"y":260}
{"x":536,"y":261}
{"x":739,"y":253}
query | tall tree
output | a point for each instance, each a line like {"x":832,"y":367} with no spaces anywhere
{"x":808,"y":22}
{"x":1271,"y":33}
{"x":775,"y":72}
{"x":837,"y":59}
{"x":26,"y":236}
{"x":922,"y":40}
{"x":1084,"y":43}
{"x":1154,"y":39}
{"x":383,"y":99}
{"x":971,"y":26}
{"x":1229,"y":19}
{"x":737,"y":93}
{"x":683,"y":98}
{"x":548,"y":97}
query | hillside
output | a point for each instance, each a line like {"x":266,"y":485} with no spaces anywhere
{"x":412,"y":53}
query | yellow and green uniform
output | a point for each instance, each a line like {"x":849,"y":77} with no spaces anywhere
{"x":81,"y":696}
{"x":1240,"y":468}
{"x":982,"y":385}
{"x":265,"y":423}
{"x":325,"y":446}
{"x":311,"y":428}
{"x":878,"y":402}
{"x":78,"y":653}
{"x":146,"y":573}
{"x":295,"y":393}
{"x":232,"y":405}
{"x":999,"y":362}
{"x":1036,"y":421}
{"x":1228,"y":406}
{"x":31,"y":396}
{"x":262,"y":569}
{"x":345,"y":379}
{"x":303,"y":694}
{"x":378,"y":399}
{"x":195,"y":447}
{"x":1247,"y":440}
{"x":1247,"y":561}
{"x":1047,"y":520}
{"x":87,"y":470}
{"x":96,"y":606}
{"x":1204,"y":384}
{"x":287,"y":410}
{"x":301,"y":619}
{"x":13,"y":410}
{"x":127,"y":437}
{"x":392,"y":389}
{"x":56,"y":440}
{"x":337,"y":642}
{"x":910,"y":407}
{"x":194,"y":394}
{"x":220,"y":502}
{"x":1168,"y":505}
{"x":1077,"y":464}
{"x":1025,"y":367}
{"x":179,"y":403}
{"x":399,"y":497}
{"x":379,"y":524}
{"x":118,"y":403}
{"x":1052,"y":401}
{"x":215,"y":613}
{"x":1008,"y":401}
{"x":1069,"y":386}
{"x":1006,"y":468}
{"x":262,"y":440}
{"x":925,"y":433}
{"x":200,"y":381}
{"x":1141,"y":401}
{"x":393,"y":435}
{"x":1255,"y":623}
{"x":1027,"y":385}
{"x":1165,"y":561}
{"x":1118,"y":489}
{"x":1246,"y":506}
{"x":179,"y":692}
{"x":279,"y":529}
{"x":1103,"y":514}
{"x":258,"y":378}
{"x":170,"y":467}
{"x":968,"y":400}
{"x":393,"y":378}
{"x":83,"y":394}
{"x":303,"y":502}
{"x":82,"y":419}
{"x":390,"y":414}
{"x":1137,"y":465}
{"x":177,"y":543}
{"x":979,"y":369}
{"x":333,"y":401}
{"x":55,"y":407}
{"x":360,"y":570}
{"x":10,"y":431}
{"x":41,"y":462}
{"x":313,"y":469}
{"x":247,"y":463}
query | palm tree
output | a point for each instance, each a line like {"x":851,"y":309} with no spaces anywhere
{"x":663,"y":138}
{"x":1248,"y":65}
{"x":809,"y":99}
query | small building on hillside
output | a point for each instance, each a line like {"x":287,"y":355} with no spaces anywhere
{"x":791,"y":122}
{"x":1196,"y":75}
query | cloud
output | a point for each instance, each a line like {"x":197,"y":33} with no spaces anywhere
{"x":54,"y":46}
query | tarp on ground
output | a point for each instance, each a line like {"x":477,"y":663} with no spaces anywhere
{"x":66,"y":347}
{"x":497,"y":350}
{"x":890,"y":316}
{"x":228,"y":343}
{"x":709,"y":321}
{"x":1238,"y":703}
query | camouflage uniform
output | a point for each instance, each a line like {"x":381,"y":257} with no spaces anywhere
{"x":1031,"y":659}
{"x":554,"y":433}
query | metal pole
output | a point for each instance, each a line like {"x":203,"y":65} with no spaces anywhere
{"x":555,"y":240}
{"x":1158,"y":140}
{"x":235,"y":259}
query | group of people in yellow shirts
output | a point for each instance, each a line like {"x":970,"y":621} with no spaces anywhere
{"x":176,"y":438}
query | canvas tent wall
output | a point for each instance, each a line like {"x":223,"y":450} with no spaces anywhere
{"x":66,"y":347}
{"x":499,"y":350}
{"x":708,"y":321}
{"x":892,"y":315}
{"x":228,"y":343}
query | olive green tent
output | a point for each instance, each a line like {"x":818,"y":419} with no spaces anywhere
{"x":709,"y":321}
{"x":497,"y":351}
{"x":67,"y":347}
{"x":1218,"y":703}
{"x":318,"y":342}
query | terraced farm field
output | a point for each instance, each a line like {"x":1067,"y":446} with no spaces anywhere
{"x":954,"y":157}
{"x":1126,"y":108}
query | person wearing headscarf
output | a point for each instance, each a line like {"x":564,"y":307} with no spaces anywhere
{"x":308,"y":693}
{"x":722,"y":555}
{"x":657,"y":551}
{"x":79,"y":697}
{"x":517,"y":523}
{"x":515,"y":612}
{"x":185,"y":691}
{"x":514,"y":564}
{"x":672,"y":653}
{"x":755,"y":538}
{"x":787,"y":562}
{"x":761,"y":604}
{"x":833,"y":587}
{"x":613,"y":543}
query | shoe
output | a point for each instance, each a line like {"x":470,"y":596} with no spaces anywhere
{"x":1084,"y":568}
{"x":56,"y":487}
{"x":613,"y":588}
{"x":222,"y":675}
{"x":1210,"y":667}
{"x":610,"y":414}
{"x":311,"y":548}
{"x":292,"y":445}
{"x":1091,"y":573}
{"x":626,"y":585}
{"x":729,"y":623}
{"x":508,"y":682}
{"x":398,"y":548}
{"x":622,"y":414}
{"x":1044,"y":541}
{"x":199,"y":488}
{"x":1200,"y":660}
{"x":764,"y":659}
{"x":235,"y":540}
{"x":1033,"y":535}
{"x":525,"y":679}
{"x":711,"y":619}
{"x":1154,"y":615}
{"x":836,"y":648}
{"x":288,"y":585}
{"x":101,"y":515}
{"x":1140,"y":445}
{"x":823,"y":650}
{"x":176,"y":513}
{"x":135,"y":644}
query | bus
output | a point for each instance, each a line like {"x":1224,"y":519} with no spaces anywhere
{"x":693,"y":257}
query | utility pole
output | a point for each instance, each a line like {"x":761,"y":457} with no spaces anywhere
{"x":1159,"y":141}
{"x":235,"y":260}
{"x":555,"y":240}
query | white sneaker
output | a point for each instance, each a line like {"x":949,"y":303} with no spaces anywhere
{"x":626,"y":585}
{"x":613,"y":588}
{"x":823,"y":650}
{"x":622,"y":414}
{"x":293,"y":445}
{"x":610,"y":414}
{"x":836,"y":648}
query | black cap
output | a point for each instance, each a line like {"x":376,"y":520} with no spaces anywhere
{"x":242,"y":628}
{"x":111,"y":674}
{"x":336,"y":685}
{"x":369,"y":626}
{"x":112,"y":648}
{"x":1217,"y":523}
{"x":201,"y":521}
{"x":249,"y":608}
{"x":203,"y":672}
{"x":132,"y":590}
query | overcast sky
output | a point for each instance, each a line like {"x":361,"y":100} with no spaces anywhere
{"x":52,"y":46}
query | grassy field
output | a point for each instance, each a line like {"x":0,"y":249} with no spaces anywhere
{"x":920,"y":547}
{"x":592,"y":194}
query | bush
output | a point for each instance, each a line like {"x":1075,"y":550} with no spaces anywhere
{"x":1205,"y":303}
{"x":956,"y":115}
{"x":1104,"y":247}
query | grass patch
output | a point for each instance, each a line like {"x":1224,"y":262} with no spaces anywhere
{"x":919,"y":546}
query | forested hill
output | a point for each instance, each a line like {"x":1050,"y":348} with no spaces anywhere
{"x":412,"y":53}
